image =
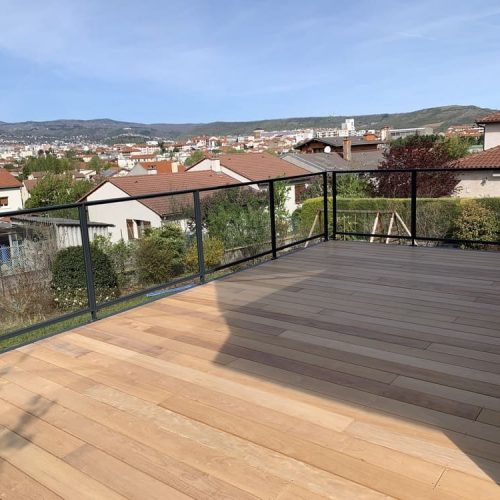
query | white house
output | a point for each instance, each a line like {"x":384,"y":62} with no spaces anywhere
{"x":11,"y":196}
{"x":130,"y":218}
{"x":491,"y":125}
{"x":483,"y":184}
{"x":480,"y":184}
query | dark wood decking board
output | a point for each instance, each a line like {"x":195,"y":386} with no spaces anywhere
{"x":348,"y":370}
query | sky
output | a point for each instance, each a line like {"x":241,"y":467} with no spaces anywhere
{"x":180,"y":61}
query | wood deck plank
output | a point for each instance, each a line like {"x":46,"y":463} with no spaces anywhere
{"x":348,"y":370}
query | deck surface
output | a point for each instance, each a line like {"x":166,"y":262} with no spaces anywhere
{"x":346,"y":371}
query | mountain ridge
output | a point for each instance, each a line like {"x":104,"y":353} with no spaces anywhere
{"x":107,"y":129}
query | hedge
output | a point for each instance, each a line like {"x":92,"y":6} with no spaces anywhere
{"x":436,"y":217}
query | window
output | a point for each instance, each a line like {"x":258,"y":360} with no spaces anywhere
{"x":130,"y":229}
{"x":136,"y":228}
{"x":142,"y":225}
{"x":4,"y":201}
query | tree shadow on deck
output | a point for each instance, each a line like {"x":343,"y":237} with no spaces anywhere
{"x":350,"y":334}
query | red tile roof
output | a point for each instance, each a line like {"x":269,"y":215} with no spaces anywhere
{"x":162,"y":166}
{"x":491,"y":118}
{"x":488,"y":158}
{"x":257,"y":166}
{"x":135,"y":185}
{"x":7,"y":180}
{"x":29,"y":184}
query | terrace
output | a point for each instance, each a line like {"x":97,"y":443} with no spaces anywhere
{"x":344,"y":370}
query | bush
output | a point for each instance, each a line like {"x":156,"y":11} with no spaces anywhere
{"x":213,"y":253}
{"x":121,"y":256}
{"x":160,"y":254}
{"x":476,"y":222}
{"x":239,"y":218}
{"x":69,"y":279}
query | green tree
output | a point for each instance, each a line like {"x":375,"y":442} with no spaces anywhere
{"x":48,"y":163}
{"x":239,"y":217}
{"x":348,"y":186}
{"x":57,"y":190}
{"x":195,"y":157}
{"x":96,"y":164}
{"x":457,"y":146}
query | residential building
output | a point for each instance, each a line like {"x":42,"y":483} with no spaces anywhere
{"x":319,"y":162}
{"x":338,"y":145}
{"x":11,"y":196}
{"x":128,"y":219}
{"x":481,"y":184}
{"x":254,"y":167}
{"x":491,"y":125}
{"x":157,"y":167}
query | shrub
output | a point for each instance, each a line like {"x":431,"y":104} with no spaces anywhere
{"x":121,"y":256}
{"x":348,"y":186}
{"x":69,"y":279}
{"x":475,"y":222}
{"x":213,"y":253}
{"x":160,"y":254}
{"x":239,"y":218}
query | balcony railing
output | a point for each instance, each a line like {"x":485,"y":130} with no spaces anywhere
{"x":264,"y":229}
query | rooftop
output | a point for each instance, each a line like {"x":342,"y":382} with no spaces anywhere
{"x":7,"y":180}
{"x":135,"y":185}
{"x":349,"y":370}
{"x":487,"y":158}
{"x":258,"y":166}
{"x":491,"y":118}
{"x":317,"y":162}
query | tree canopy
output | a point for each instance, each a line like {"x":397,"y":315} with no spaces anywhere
{"x":195,"y":157}
{"x":47,"y":163}
{"x":57,"y":190}
{"x":422,"y":152}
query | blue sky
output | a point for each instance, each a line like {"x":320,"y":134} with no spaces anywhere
{"x":206,"y":60}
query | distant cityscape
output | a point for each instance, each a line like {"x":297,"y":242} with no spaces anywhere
{"x":127,"y":155}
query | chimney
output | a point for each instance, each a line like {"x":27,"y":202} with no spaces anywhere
{"x":215,"y":164}
{"x":175,"y":167}
{"x":346,"y":149}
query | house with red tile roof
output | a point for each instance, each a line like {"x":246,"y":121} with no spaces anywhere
{"x":11,"y":196}
{"x":157,"y":167}
{"x":130,"y":218}
{"x":491,"y":125}
{"x":247,"y":167}
{"x":480,"y":184}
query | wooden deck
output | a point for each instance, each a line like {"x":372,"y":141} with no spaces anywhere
{"x":348,"y":370}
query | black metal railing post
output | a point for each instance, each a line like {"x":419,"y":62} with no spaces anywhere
{"x":413,"y":229}
{"x":87,"y":260}
{"x":199,"y":235}
{"x":334,"y":205}
{"x":325,"y":206}
{"x":272,"y":214}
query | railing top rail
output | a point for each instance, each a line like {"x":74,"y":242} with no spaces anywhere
{"x":418,"y":170}
{"x":147,"y":196}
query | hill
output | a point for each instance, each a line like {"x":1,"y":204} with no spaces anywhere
{"x":111,"y":130}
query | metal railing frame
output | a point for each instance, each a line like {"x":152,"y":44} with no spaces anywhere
{"x":82,"y":207}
